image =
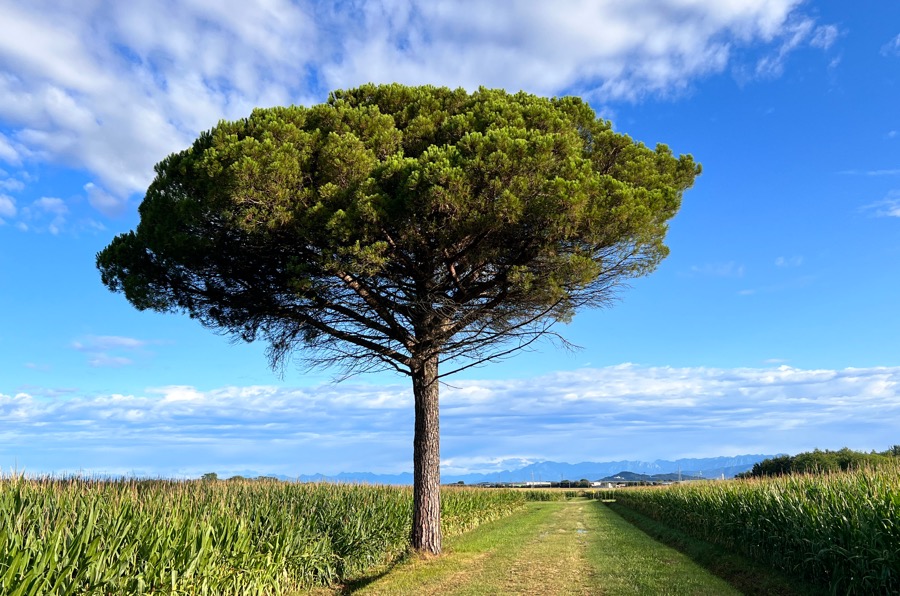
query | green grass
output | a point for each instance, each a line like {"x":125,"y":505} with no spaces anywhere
{"x":628,"y":561}
{"x":464,"y":556}
{"x":748,"y":577}
{"x":552,"y":547}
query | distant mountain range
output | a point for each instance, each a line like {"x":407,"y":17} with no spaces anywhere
{"x":710,"y":467}
{"x":632,"y":477}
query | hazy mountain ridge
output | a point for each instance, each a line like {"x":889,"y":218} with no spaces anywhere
{"x":710,"y":467}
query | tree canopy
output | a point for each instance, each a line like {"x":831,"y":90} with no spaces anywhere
{"x":392,"y":222}
{"x":398,"y":226}
{"x":821,"y":462}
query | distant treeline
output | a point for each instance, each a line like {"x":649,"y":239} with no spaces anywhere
{"x":818,"y":461}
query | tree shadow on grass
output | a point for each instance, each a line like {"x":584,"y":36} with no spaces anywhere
{"x":361,"y":582}
{"x":358,"y":583}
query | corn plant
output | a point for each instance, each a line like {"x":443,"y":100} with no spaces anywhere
{"x":83,"y":536}
{"x":839,"y":530}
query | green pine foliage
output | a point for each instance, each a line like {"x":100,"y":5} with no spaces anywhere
{"x":399,"y":223}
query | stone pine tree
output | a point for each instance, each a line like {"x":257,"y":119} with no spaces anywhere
{"x":418,"y":229}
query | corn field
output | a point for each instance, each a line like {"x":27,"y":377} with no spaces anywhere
{"x":78,"y":536}
{"x":840,"y":531}
{"x":549,"y":494}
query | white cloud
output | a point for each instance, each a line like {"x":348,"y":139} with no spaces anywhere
{"x":602,"y":49}
{"x":887,"y":207}
{"x":45,"y":214}
{"x":51,"y":205}
{"x":7,"y":206}
{"x":824,"y":36}
{"x":107,"y":342}
{"x":794,"y":261}
{"x":891,"y":48}
{"x":8,"y":153}
{"x":107,"y":361}
{"x":104,"y":350}
{"x":617,"y":412}
{"x":797,"y":33}
{"x":113,"y":87}
{"x":11,"y":184}
{"x":104,"y":202}
{"x":179,"y":393}
{"x":881,"y":172}
{"x":485,"y":464}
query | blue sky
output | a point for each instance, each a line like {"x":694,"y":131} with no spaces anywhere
{"x":772,"y":327}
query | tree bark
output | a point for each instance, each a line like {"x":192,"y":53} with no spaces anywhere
{"x":426,"y":528}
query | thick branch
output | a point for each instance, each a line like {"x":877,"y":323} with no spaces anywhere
{"x":353,"y":338}
{"x":374,"y":300}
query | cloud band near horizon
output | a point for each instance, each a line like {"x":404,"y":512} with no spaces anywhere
{"x":618,"y":412}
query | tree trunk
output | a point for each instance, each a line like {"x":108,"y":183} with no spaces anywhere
{"x":426,"y":527}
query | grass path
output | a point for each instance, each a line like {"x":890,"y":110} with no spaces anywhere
{"x":569,"y":547}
